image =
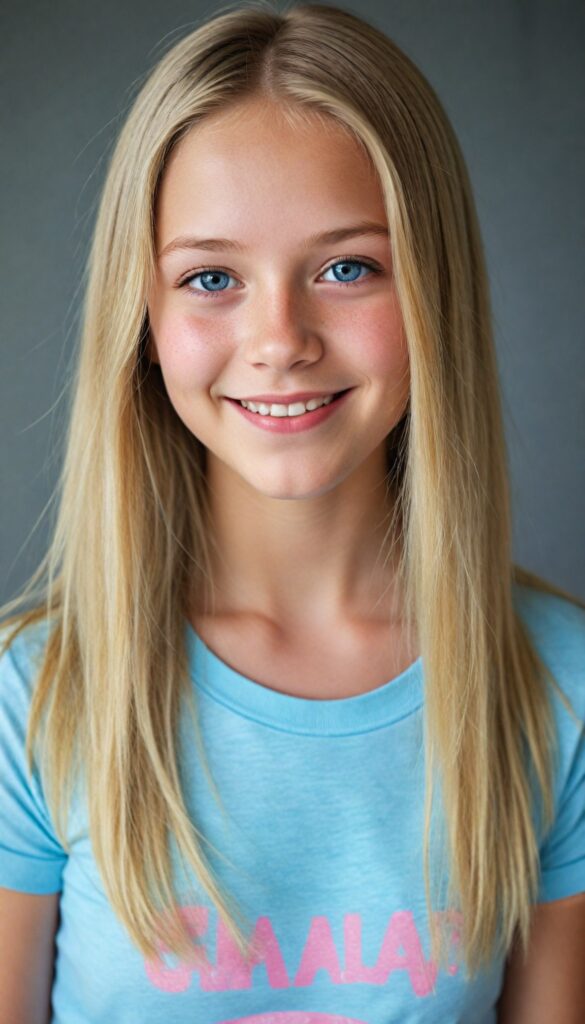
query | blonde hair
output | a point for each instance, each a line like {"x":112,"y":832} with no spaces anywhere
{"x":131,"y":544}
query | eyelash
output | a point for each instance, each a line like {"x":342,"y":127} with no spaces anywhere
{"x":344,"y":284}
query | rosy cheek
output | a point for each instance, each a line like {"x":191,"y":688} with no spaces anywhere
{"x":187,"y":351}
{"x":383,"y":348}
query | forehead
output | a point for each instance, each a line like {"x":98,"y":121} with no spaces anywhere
{"x":259,"y":121}
{"x":264,"y":159}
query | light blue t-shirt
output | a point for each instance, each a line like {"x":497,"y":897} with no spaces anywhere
{"x":323,"y":833}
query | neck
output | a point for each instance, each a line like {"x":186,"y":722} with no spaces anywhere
{"x":317,"y":559}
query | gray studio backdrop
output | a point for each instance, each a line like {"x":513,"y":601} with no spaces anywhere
{"x":511,"y":76}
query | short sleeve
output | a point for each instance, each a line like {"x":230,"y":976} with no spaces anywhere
{"x":31,"y":857}
{"x":562,"y":856}
{"x":558,"y":627}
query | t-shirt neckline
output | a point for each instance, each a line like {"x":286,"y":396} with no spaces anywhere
{"x":380,"y":707}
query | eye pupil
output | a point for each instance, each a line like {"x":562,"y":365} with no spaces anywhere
{"x":213,"y":277}
{"x":348,"y":267}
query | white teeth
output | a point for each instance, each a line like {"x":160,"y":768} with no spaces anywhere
{"x":296,"y":409}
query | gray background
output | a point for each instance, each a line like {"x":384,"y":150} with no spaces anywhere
{"x":511,"y":76}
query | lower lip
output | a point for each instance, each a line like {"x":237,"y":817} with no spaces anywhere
{"x":292,"y":424}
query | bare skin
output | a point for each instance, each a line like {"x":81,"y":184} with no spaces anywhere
{"x":305,"y":604}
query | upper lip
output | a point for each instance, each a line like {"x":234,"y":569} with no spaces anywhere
{"x":296,"y":396}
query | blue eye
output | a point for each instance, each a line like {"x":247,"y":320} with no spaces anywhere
{"x":214,"y":280}
{"x":209,"y":273}
{"x":351,"y":266}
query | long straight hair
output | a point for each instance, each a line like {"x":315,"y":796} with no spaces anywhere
{"x":132,"y":543}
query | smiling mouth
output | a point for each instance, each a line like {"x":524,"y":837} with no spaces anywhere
{"x":292,"y":420}
{"x":292,"y":409}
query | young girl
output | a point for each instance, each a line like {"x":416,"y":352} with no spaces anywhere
{"x":287,"y":737}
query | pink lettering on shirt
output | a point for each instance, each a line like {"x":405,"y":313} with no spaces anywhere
{"x":401,"y":951}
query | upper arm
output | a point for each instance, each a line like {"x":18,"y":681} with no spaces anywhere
{"x":550,"y":985}
{"x":28,"y":924}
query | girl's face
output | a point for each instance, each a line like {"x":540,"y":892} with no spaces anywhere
{"x":272,"y":310}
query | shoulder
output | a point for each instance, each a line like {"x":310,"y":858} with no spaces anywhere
{"x":31,"y":855}
{"x":556,"y":627}
{"x":555,"y":621}
{"x":20,"y":660}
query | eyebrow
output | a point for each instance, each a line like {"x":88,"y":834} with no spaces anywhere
{"x":332,"y":237}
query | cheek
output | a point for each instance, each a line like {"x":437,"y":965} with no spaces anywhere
{"x":383,"y":352}
{"x":189,"y":355}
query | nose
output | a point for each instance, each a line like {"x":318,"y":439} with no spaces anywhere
{"x":279,"y":333}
